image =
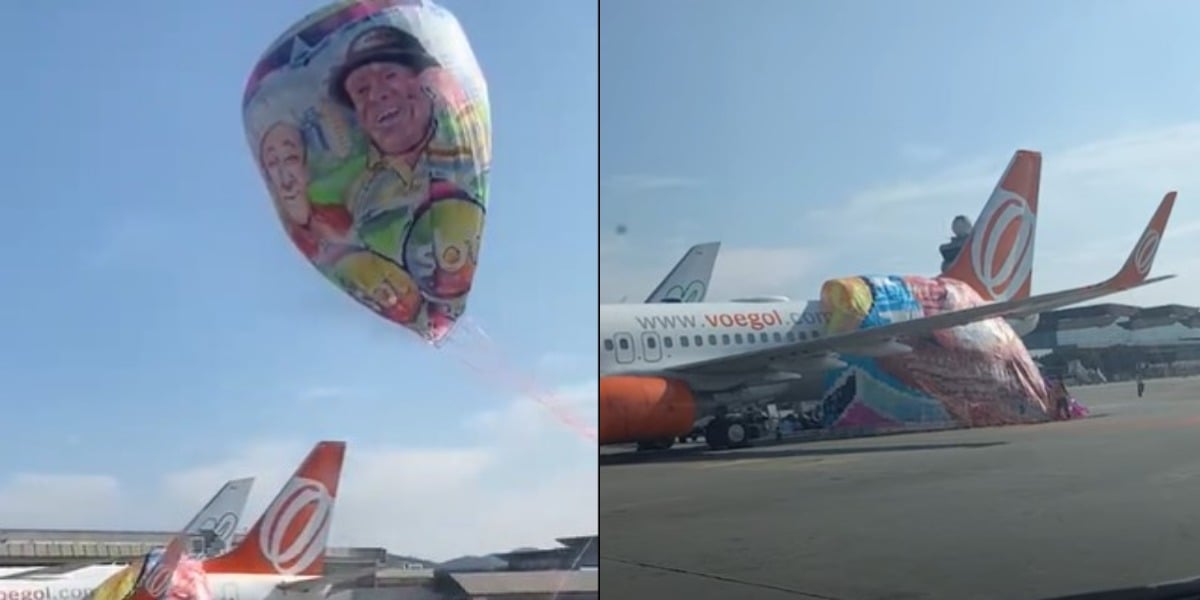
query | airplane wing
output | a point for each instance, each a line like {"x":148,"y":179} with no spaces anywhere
{"x":1132,"y":275}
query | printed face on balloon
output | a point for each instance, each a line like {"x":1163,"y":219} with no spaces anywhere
{"x":282,"y":157}
{"x":392,"y":106}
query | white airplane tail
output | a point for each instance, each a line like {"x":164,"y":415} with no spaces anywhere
{"x":218,"y":520}
{"x":688,"y":281}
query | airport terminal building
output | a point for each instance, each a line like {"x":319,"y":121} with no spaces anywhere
{"x":567,"y":572}
{"x":1120,"y":340}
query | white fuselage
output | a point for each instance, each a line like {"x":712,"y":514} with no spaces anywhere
{"x":73,"y":585}
{"x":253,"y":587}
{"x":78,"y":584}
{"x":652,"y":339}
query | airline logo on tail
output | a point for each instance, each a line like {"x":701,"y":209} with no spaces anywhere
{"x":290,"y":537}
{"x":294,"y":529}
{"x":156,"y":581}
{"x":1137,"y":266}
{"x":997,"y":261}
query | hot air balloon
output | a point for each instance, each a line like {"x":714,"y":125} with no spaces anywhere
{"x":369,"y":122}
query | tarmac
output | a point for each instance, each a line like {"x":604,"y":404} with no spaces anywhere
{"x":1025,"y":512}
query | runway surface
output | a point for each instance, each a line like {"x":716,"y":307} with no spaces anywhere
{"x":1006,"y":513}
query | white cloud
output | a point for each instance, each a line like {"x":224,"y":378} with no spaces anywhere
{"x":518,"y":478}
{"x":1095,"y":199}
{"x":64,"y":500}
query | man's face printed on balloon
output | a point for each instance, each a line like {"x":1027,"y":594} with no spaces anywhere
{"x":282,"y":155}
{"x":391,"y":105}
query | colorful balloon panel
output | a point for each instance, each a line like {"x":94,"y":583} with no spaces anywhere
{"x":369,"y":122}
{"x":972,"y":375}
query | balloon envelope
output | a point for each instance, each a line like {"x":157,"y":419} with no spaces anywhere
{"x":369,"y":122}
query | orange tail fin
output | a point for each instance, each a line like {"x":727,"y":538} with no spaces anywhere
{"x":290,"y":537}
{"x":997,"y":258}
{"x":155,"y":580}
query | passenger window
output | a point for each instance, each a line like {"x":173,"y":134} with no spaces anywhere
{"x":683,"y":341}
{"x":651,"y":343}
{"x":668,"y":342}
{"x":699,"y":341}
{"x":608,"y":346}
{"x":724,"y":339}
{"x":762,"y":337}
{"x":712,"y":339}
{"x":791,"y":336}
{"x":750,"y":338}
{"x":804,"y":335}
{"x":778,"y":337}
{"x":816,"y":334}
{"x":737,"y":338}
{"x":624,"y":344}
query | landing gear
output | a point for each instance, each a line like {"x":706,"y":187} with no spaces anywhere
{"x":725,"y":432}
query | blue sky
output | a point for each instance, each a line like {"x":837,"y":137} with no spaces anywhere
{"x":157,"y":319}
{"x":820,"y":139}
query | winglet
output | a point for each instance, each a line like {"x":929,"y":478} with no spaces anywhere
{"x":1141,"y":259}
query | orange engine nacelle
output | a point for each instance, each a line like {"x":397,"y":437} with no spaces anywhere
{"x":637,"y":409}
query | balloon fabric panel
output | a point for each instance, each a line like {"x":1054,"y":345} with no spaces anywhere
{"x":370,"y":124}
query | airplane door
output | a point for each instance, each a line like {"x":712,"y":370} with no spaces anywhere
{"x":624,"y":347}
{"x":651,"y":346}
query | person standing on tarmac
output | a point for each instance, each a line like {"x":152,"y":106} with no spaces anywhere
{"x":1141,"y":385}
{"x":1062,"y":399}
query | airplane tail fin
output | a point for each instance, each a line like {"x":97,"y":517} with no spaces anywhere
{"x":218,"y":520}
{"x":291,"y":535}
{"x":688,"y":281}
{"x":154,"y":581}
{"x":997,"y":257}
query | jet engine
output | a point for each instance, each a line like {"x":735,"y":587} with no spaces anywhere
{"x":644,"y":409}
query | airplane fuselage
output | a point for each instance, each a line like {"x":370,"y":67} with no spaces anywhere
{"x":74,"y":585}
{"x":654,"y":341}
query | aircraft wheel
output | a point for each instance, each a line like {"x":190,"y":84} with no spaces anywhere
{"x":736,"y":433}
{"x":716,"y":434}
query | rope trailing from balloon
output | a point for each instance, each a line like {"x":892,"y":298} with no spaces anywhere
{"x":471,"y":345}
